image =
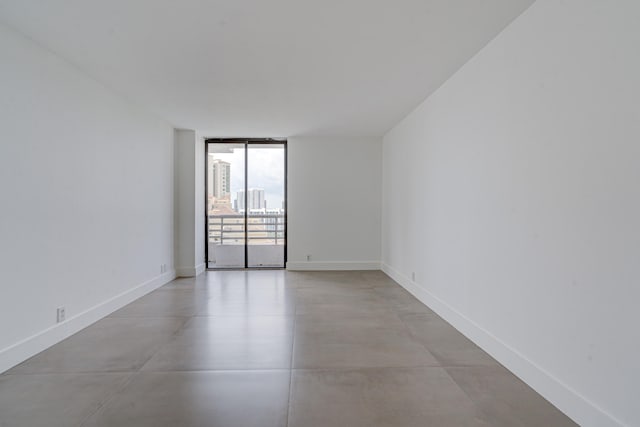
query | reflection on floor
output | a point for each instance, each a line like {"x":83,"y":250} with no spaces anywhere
{"x":270,"y":348}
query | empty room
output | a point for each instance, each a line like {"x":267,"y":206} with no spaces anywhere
{"x":411,"y":213}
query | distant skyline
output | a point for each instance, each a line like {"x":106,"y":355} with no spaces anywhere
{"x":269,"y":175}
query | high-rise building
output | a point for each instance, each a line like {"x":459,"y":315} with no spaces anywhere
{"x":219,"y":178}
{"x":255,"y":199}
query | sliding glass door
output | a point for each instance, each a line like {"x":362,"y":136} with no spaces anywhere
{"x":246,"y":204}
{"x":225,"y":177}
{"x":265,"y":205}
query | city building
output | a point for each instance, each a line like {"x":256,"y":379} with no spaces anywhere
{"x":219,"y":178}
{"x":255,"y":199}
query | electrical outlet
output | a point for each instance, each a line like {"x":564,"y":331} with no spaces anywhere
{"x":413,"y":276}
{"x":61,"y":314}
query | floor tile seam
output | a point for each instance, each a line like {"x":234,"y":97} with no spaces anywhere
{"x":166,"y":341}
{"x":204,"y":371}
{"x":360,"y":367}
{"x":367,"y":368}
{"x":238,"y":321}
{"x":194,"y":337}
{"x":79,"y":373}
{"x":473,"y":403}
{"x":341,"y":301}
{"x":178,"y":330}
{"x":382,"y":308}
{"x":144,"y":317}
{"x":240,"y":315}
{"x":443,"y":363}
{"x":350,"y":325}
{"x":476,"y":404}
{"x":111,"y":396}
{"x":416,"y":339}
{"x":471,"y":365}
{"x":337,"y":287}
{"x":346,"y":316}
{"x":291,"y":358}
{"x":292,"y":316}
{"x":124,"y":371}
{"x":316,"y":286}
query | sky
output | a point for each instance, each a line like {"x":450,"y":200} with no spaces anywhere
{"x":266,"y":171}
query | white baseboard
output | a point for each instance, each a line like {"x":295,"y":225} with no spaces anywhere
{"x":191,"y":271}
{"x":21,"y":351}
{"x":332,"y":265}
{"x":200,"y":269}
{"x":574,"y":405}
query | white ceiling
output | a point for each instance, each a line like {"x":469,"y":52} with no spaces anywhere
{"x":268,"y":67}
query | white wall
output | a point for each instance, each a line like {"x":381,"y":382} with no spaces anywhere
{"x":334,"y":203}
{"x":185,"y":197}
{"x":189,"y":208}
{"x":200,"y":228}
{"x":86,"y":190}
{"x":513,"y":193}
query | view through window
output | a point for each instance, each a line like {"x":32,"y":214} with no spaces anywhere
{"x":246,"y":204}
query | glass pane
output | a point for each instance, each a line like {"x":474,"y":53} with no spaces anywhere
{"x":225,"y":223}
{"x":265,"y":203}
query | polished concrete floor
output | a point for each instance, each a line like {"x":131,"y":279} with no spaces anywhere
{"x":270,"y":348}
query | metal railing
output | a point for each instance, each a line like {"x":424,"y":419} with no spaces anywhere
{"x":261,"y":229}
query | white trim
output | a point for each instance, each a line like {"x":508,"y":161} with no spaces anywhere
{"x":190,"y":271}
{"x":576,"y":406}
{"x":200,"y":269}
{"x":333,"y":265}
{"x":28,"y":347}
{"x":185,"y":272}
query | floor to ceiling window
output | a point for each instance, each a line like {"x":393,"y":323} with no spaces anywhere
{"x":246,"y":203}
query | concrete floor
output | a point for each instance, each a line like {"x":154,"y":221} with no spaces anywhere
{"x":270,"y":348}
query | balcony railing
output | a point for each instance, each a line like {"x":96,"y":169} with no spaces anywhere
{"x":262,"y":229}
